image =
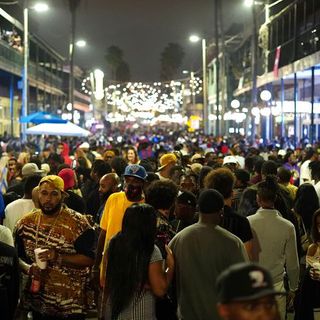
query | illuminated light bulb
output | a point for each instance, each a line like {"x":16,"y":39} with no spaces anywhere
{"x":265,"y":95}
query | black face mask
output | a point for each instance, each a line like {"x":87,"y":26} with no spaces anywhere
{"x":133,"y":192}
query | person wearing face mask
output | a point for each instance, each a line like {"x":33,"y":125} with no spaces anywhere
{"x":111,"y":220}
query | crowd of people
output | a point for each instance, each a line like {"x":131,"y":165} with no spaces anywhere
{"x":159,"y":229}
{"x":12,"y":38}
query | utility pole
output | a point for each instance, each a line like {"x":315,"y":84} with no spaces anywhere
{"x":73,"y":5}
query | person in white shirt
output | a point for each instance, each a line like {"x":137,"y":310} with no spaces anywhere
{"x":305,"y":172}
{"x":274,"y":241}
{"x":18,"y":208}
{"x":6,"y":236}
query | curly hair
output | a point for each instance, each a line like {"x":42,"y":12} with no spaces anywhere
{"x":222,"y":180}
{"x":161,"y":194}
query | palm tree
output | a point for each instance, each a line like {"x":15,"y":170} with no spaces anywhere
{"x":114,"y":58}
{"x":171,"y":60}
{"x":120,"y":69}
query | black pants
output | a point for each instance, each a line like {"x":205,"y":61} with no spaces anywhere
{"x":39,"y":316}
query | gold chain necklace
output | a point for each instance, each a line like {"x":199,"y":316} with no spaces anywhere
{"x":49,"y":234}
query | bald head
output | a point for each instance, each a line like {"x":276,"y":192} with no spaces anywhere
{"x":109,"y":184}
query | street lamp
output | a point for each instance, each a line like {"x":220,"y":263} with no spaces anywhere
{"x":39,"y":7}
{"x":235,"y":104}
{"x":195,"y":39}
{"x":248,"y":3}
{"x":81,"y":43}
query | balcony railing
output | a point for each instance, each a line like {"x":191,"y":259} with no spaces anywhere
{"x":297,"y":31}
{"x":11,"y":60}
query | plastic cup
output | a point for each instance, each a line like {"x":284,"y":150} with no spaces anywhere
{"x":41,"y":264}
{"x":316,"y":266}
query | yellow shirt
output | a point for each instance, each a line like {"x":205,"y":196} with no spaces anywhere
{"x":111,"y":221}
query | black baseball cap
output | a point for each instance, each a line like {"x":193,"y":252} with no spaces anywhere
{"x":245,"y":281}
{"x":188,"y":198}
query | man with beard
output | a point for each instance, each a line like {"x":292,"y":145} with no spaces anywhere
{"x":90,"y":189}
{"x":69,"y":243}
{"x":108,"y":185}
{"x":116,"y":205}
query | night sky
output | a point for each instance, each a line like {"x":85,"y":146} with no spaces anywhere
{"x":142,"y":28}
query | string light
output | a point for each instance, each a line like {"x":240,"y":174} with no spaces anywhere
{"x":147,"y":101}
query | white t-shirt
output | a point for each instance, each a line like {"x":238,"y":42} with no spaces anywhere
{"x":15,"y":211}
{"x":305,"y":172}
{"x":6,"y":236}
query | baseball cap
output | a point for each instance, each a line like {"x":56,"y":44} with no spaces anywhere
{"x":188,"y":198}
{"x":135,"y":170}
{"x":229,"y":159}
{"x":196,"y":156}
{"x":29,"y":169}
{"x":84,"y":145}
{"x":166,"y":159}
{"x":244,"y":281}
{"x":45,"y":167}
{"x":196,"y":168}
{"x":55,"y":180}
{"x":67,"y":176}
{"x":282,"y":152}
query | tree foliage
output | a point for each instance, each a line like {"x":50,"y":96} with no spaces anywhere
{"x":171,"y":60}
{"x":120,"y":69}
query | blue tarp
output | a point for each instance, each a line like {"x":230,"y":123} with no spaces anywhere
{"x":42,"y":117}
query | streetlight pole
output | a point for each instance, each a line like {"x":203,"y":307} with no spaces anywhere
{"x":254,"y":48}
{"x":73,"y":4}
{"x":25,"y":67}
{"x":217,"y":80}
{"x":205,"y":88}
{"x":40,"y":7}
{"x":205,"y":118}
{"x":193,"y":96}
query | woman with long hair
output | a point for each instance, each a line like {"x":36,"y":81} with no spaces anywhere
{"x":306,"y":203}
{"x":309,"y":299}
{"x":313,"y":255}
{"x":132,"y":155}
{"x":135,"y":273}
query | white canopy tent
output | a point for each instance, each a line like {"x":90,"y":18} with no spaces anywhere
{"x":68,"y":129}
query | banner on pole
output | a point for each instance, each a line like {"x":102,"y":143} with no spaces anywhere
{"x":276,"y":62}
